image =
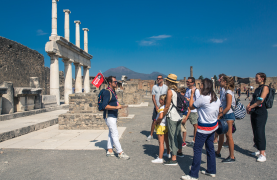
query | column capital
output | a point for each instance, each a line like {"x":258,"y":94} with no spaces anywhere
{"x":67,"y":11}
{"x":55,"y":0}
{"x":52,"y":55}
{"x":65,"y":60}
{"x":77,"y":22}
{"x":85,"y":29}
{"x":78,"y":64}
{"x":86,"y":67}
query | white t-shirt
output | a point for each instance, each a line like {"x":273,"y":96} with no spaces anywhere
{"x":163,"y":122}
{"x":158,"y":91}
{"x":208,"y":113}
{"x":224,"y":100}
{"x":173,"y":113}
{"x":196,"y":96}
{"x":222,"y":93}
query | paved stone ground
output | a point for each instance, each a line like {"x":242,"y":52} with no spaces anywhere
{"x":54,"y":164}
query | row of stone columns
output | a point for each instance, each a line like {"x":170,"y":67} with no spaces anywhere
{"x":54,"y":65}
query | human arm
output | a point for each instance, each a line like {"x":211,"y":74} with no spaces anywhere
{"x":106,"y":100}
{"x":154,"y":102}
{"x":160,"y":118}
{"x":168,"y":102}
{"x":191,"y":100}
{"x":187,"y":116}
{"x":229,"y":104}
{"x":257,"y":103}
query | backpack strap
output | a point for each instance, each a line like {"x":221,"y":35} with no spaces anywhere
{"x":111,"y":96}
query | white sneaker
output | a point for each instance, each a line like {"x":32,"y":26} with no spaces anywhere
{"x":167,"y":155}
{"x":190,"y":143}
{"x":158,"y":160}
{"x":261,"y":158}
{"x":109,"y":154}
{"x":208,"y":174}
{"x":149,"y":138}
{"x":188,"y":177}
{"x":123,"y":156}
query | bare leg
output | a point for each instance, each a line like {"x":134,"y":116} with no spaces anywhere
{"x":230,"y":138}
{"x":215,"y":137}
{"x":174,"y":157}
{"x":262,"y":152}
{"x":152,"y":127}
{"x":184,"y":136}
{"x":161,"y":145}
{"x":195,"y":131}
{"x":220,"y":143}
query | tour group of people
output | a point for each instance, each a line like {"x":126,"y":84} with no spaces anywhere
{"x":203,"y":113}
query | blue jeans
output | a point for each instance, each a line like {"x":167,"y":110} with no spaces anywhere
{"x":200,"y":140}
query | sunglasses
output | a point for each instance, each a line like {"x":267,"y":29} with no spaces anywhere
{"x":159,"y":78}
{"x":188,"y":82}
{"x":115,"y":82}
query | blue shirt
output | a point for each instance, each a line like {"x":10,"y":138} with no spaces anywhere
{"x":113,"y":102}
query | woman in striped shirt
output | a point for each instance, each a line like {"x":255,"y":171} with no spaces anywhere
{"x":207,"y":106}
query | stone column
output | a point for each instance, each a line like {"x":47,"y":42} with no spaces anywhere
{"x":54,"y":77}
{"x":67,"y":79}
{"x":86,"y":79}
{"x":66,"y":24}
{"x":86,"y":39}
{"x":54,"y":18}
{"x":77,"y":33}
{"x":78,"y":78}
{"x":191,"y":71}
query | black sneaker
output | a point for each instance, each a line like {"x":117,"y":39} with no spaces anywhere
{"x":180,"y":154}
{"x":229,"y":160}
{"x":217,"y":155}
{"x":170,"y":162}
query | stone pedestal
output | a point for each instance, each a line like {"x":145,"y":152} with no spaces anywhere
{"x":20,"y":104}
{"x":123,"y":112}
{"x":7,"y":99}
{"x":30,"y":103}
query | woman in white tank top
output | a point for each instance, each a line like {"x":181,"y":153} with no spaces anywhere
{"x":173,"y":120}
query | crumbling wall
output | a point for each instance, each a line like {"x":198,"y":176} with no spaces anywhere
{"x":18,"y":63}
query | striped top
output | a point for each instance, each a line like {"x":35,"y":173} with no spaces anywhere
{"x":208,"y":113}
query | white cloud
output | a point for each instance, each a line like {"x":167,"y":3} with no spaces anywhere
{"x":161,"y":36}
{"x":147,"y":43}
{"x":274,"y":45}
{"x":41,"y":32}
{"x":151,"y":41}
{"x":218,"y":40}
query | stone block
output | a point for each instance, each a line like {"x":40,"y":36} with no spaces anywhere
{"x":20,"y":104}
{"x":30,"y":103}
{"x":49,"y":101}
{"x":7,"y":99}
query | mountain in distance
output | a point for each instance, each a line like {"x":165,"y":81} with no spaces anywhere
{"x":119,"y":71}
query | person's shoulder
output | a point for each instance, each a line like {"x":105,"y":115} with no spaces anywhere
{"x":165,"y":85}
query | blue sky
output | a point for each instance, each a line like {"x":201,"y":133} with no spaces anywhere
{"x":231,"y":37}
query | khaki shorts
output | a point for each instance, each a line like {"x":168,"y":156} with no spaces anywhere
{"x":183,"y":126}
{"x":193,"y":118}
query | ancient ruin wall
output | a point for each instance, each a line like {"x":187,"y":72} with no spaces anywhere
{"x":18,"y":63}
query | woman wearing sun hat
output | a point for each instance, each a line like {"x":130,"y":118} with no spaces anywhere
{"x":174,"y":120}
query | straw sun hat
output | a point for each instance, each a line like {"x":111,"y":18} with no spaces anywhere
{"x":172,"y":78}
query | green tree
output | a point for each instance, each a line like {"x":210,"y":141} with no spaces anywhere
{"x":215,"y":78}
{"x":201,"y":77}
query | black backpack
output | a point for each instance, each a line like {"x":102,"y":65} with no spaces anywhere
{"x":182,"y":103}
{"x":269,"y":98}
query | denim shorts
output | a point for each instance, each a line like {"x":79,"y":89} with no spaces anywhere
{"x":230,"y":116}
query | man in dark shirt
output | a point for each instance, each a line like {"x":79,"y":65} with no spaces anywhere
{"x":111,"y":106}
